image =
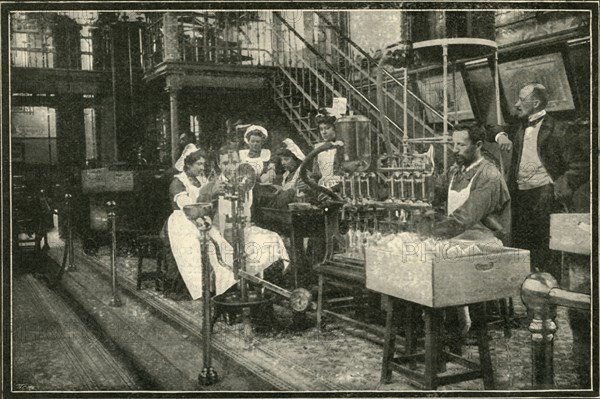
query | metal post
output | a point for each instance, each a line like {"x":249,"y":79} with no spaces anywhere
{"x":173,"y":88}
{"x":454,"y":92}
{"x":141,"y":44}
{"x":497,"y":100}
{"x":111,"y":208}
{"x":114,"y":88}
{"x":445,"y":91}
{"x":67,"y":253}
{"x":497,"y":89}
{"x":71,"y":266}
{"x":405,"y":113}
{"x":208,"y":375}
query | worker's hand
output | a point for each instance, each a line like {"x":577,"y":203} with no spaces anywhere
{"x":301,"y":185}
{"x":218,"y":188}
{"x":504,"y":142}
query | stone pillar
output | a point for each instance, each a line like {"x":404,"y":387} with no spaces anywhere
{"x":174,"y":89}
{"x":170,"y":37}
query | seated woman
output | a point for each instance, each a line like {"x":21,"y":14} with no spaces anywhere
{"x":291,"y":156}
{"x":183,"y":235}
{"x":263,"y":247}
{"x":255,"y":155}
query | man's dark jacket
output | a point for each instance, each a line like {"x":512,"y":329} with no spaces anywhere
{"x":563,"y":148}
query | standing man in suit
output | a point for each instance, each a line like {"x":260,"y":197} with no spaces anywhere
{"x":549,"y":162}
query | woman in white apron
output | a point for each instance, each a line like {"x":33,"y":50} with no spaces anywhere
{"x":263,"y":247}
{"x":328,"y":167}
{"x":184,"y":237}
{"x":256,"y":156}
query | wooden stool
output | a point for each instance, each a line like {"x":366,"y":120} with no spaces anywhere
{"x":150,"y":246}
{"x":434,"y":355}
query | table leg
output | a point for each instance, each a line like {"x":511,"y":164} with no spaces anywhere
{"x":320,"y":304}
{"x":432,"y":353}
{"x":485,"y":360}
{"x":410,"y":334}
{"x":294,"y":257}
{"x":389,"y":343}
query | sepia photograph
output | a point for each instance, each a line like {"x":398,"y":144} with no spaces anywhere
{"x":299,"y":199}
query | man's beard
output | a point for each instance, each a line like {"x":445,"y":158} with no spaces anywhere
{"x":460,"y":160}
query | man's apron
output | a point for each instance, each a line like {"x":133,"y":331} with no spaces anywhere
{"x":455,"y":200}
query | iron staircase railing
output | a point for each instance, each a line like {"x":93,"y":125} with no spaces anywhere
{"x":359,"y":66}
{"x":306,"y":82}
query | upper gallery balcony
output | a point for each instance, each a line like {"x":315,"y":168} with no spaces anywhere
{"x":218,"y":43}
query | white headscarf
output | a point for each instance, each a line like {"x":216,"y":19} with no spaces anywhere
{"x":186,"y":151}
{"x":255,"y":127}
{"x":294,"y":149}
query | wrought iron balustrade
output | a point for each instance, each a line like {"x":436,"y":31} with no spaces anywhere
{"x":207,"y":37}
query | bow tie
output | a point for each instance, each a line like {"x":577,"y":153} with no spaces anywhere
{"x":533,"y":122}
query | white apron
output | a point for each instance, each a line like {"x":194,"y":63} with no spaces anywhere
{"x":185,"y":240}
{"x":478,"y":232}
{"x":457,"y":198}
{"x":263,"y":247}
{"x":326,"y":160}
{"x":257,"y":163}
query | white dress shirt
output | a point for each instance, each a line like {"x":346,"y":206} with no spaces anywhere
{"x":532,"y":173}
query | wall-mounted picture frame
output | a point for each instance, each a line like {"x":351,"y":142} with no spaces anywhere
{"x":459,"y":105}
{"x":547,"y":69}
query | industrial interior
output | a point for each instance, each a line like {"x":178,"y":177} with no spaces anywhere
{"x":302,"y":200}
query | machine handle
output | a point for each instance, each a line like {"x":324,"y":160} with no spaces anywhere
{"x":310,"y":182}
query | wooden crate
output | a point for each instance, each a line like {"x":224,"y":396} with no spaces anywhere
{"x":571,"y":232}
{"x":437,"y":280}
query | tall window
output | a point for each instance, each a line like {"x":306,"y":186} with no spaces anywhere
{"x":87,"y":55}
{"x":89,"y":120}
{"x":32,"y":44}
{"x":195,"y":125}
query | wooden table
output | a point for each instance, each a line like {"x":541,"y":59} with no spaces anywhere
{"x":434,"y":281}
{"x":296,"y":224}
